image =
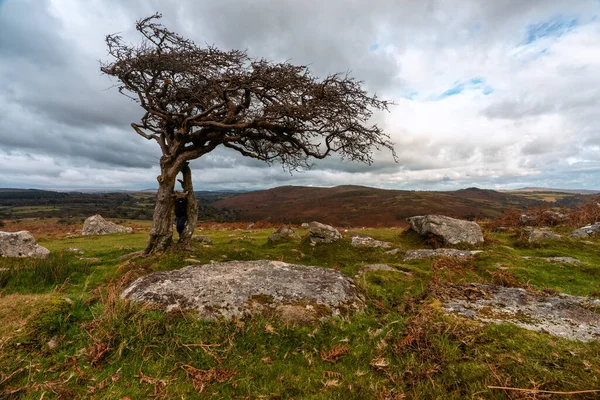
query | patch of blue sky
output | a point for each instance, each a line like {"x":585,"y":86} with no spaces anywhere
{"x":471,"y":84}
{"x":555,"y":27}
{"x":409,"y":95}
{"x":372,"y":47}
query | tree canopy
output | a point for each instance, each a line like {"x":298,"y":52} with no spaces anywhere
{"x":196,"y":99}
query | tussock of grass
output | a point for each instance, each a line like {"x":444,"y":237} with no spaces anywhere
{"x":35,"y":276}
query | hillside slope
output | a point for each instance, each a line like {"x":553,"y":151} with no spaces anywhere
{"x":365,"y":206}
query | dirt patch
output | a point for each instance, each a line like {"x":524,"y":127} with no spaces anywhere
{"x":561,"y":315}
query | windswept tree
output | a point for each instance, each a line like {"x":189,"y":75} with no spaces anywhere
{"x":198,"y":98}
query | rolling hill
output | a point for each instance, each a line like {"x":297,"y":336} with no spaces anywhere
{"x":365,"y":206}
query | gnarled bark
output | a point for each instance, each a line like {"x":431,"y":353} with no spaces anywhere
{"x":161,"y":233}
{"x":192,"y":205}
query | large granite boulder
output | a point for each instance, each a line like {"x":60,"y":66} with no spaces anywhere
{"x":239,"y":288}
{"x":96,"y":225}
{"x":21,"y":244}
{"x":366,"y":241}
{"x":586,"y":231}
{"x":281,"y":234}
{"x":320,"y":233}
{"x":451,"y":231}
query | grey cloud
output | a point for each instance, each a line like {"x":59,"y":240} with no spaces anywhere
{"x":61,"y":107}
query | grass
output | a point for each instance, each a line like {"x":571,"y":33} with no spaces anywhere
{"x":401,"y":346}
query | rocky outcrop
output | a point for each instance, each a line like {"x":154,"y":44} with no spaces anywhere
{"x":238,"y":288}
{"x":539,"y":235}
{"x":586,"y":231}
{"x":21,"y":244}
{"x":450,"y":231}
{"x":426,"y":253}
{"x":547,"y":217}
{"x":282,"y":234}
{"x":96,"y":225}
{"x":319,"y":233}
{"x":366,"y":241}
{"x":565,"y":316}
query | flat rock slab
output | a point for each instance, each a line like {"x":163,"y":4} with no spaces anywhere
{"x":586,"y":231}
{"x":569,"y":317}
{"x":565,"y":260}
{"x":238,"y":288}
{"x":366,"y":241}
{"x":426,"y":253}
{"x":539,"y":235}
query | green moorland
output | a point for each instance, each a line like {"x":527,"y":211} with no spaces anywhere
{"x":65,"y":333}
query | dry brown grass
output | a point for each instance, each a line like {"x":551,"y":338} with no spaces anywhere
{"x":586,"y":213}
{"x":201,"y":378}
{"x":50,"y":229}
{"x":335,"y":353}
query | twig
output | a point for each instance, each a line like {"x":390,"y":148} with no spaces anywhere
{"x":536,"y":391}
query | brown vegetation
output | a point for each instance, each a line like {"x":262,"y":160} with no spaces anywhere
{"x":365,"y":206}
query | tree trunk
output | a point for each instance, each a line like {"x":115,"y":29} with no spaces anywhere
{"x":192,"y":205}
{"x":161,"y":233}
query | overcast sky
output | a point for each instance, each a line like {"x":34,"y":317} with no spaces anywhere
{"x":494,"y":94}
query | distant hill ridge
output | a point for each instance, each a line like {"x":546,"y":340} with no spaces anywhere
{"x":550,"y":190}
{"x":360,"y":205}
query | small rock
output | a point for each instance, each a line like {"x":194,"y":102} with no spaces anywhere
{"x":566,"y":260}
{"x":320,"y":233}
{"x":74,"y":250}
{"x":393,"y":252}
{"x":203,"y":239}
{"x":538,"y":235}
{"x":53,"y":343}
{"x":304,"y":225}
{"x":281,"y":234}
{"x":527,"y":219}
{"x":380,"y":267}
{"x":500,"y":229}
